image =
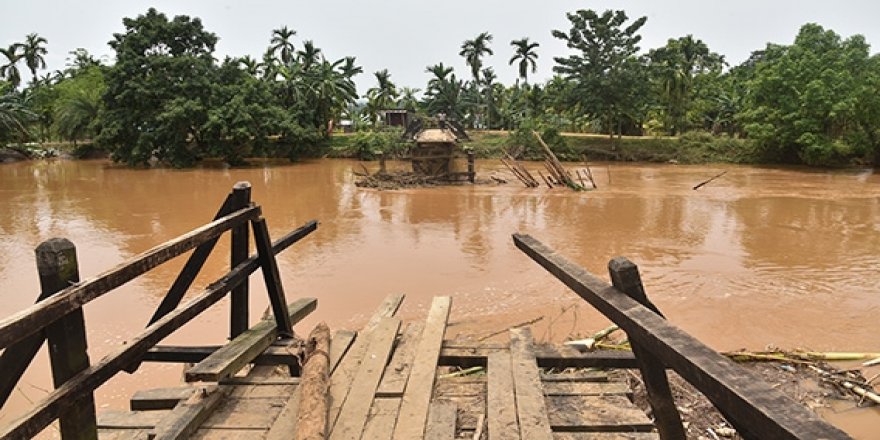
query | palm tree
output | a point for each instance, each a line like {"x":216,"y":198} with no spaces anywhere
{"x":10,"y":71}
{"x":250,"y":65}
{"x":13,"y":116}
{"x":525,"y":54}
{"x":33,"y":50}
{"x":408,"y":100}
{"x":348,"y":67}
{"x":440,"y":72}
{"x":75,"y":114}
{"x":309,"y":55}
{"x":473,"y":51}
{"x":281,"y":43}
{"x":386,"y":93}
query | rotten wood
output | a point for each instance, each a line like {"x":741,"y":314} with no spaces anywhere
{"x":311,"y":420}
{"x":750,"y":404}
{"x":417,"y":397}
{"x":34,"y":318}
{"x":242,"y":350}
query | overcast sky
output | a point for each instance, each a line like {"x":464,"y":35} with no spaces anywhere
{"x":405,"y":36}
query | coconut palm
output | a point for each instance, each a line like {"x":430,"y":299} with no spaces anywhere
{"x":473,"y":51}
{"x":33,"y":50}
{"x":281,"y":43}
{"x":9,"y":70}
{"x":386,"y":92}
{"x":440,"y":73}
{"x":524,"y":52}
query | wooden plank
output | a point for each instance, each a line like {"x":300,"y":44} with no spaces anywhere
{"x":441,"y":421}
{"x":284,"y":425}
{"x":530,"y":408}
{"x":36,"y":317}
{"x":239,"y":352}
{"x":257,"y":381}
{"x":353,"y":415}
{"x":753,"y":407}
{"x":394,"y":380}
{"x":547,"y":356}
{"x":347,"y":367}
{"x":625,"y":277}
{"x":382,"y":418}
{"x":340,"y":344}
{"x":596,"y":414}
{"x":239,"y":248}
{"x":501,"y":400}
{"x":122,"y":434}
{"x":130,"y":419}
{"x":160,"y":398}
{"x":605,"y":436}
{"x":45,"y":411}
{"x":233,"y":413}
{"x":575,"y":376}
{"x":269,"y":268}
{"x":186,"y":417}
{"x":227,"y":434}
{"x":416,"y":398}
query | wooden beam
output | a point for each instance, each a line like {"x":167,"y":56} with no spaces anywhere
{"x":47,"y":410}
{"x":625,"y":277}
{"x":548,"y":356}
{"x":750,"y":404}
{"x":188,"y":414}
{"x":269,"y":268}
{"x":160,"y":398}
{"x":417,"y":397}
{"x":353,"y":415}
{"x":500,"y":399}
{"x":34,"y":318}
{"x":394,"y":380}
{"x":239,"y":250}
{"x":242,"y":350}
{"x":441,"y":421}
{"x":531,"y":410}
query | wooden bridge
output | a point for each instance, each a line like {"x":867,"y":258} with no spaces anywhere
{"x":390,"y":380}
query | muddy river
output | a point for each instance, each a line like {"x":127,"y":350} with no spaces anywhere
{"x":760,"y":257}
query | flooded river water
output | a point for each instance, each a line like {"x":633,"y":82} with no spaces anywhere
{"x":761,"y":256}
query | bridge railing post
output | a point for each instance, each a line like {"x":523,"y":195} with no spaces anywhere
{"x":625,"y":277}
{"x":471,"y":165}
{"x":58,"y":269}
{"x":238,"y":319}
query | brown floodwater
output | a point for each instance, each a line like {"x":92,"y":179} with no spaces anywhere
{"x":760,"y":257}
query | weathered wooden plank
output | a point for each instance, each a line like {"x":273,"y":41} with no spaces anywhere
{"x":38,"y":417}
{"x":596,"y":414}
{"x":530,"y":408}
{"x":451,"y":387}
{"x":754,"y":408}
{"x":605,"y":436}
{"x":575,"y":376}
{"x":394,"y":380}
{"x":36,"y":317}
{"x":245,"y":413}
{"x":625,"y":277}
{"x":186,"y":417}
{"x":122,"y":434}
{"x":547,"y":356}
{"x":501,"y":400}
{"x":239,"y":352}
{"x":416,"y":398}
{"x":558,"y":388}
{"x":160,"y":398}
{"x":353,"y":415}
{"x":130,"y":419}
{"x":228,"y":434}
{"x":441,"y":421}
{"x":284,"y":426}
{"x":340,"y":344}
{"x":269,"y":268}
{"x":382,"y":418}
{"x":239,"y":247}
{"x":342,"y":376}
{"x":258,"y":381}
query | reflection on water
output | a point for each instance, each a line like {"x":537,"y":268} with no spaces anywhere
{"x":760,"y":256}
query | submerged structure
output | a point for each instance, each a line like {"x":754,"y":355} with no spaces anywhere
{"x":437,"y":145}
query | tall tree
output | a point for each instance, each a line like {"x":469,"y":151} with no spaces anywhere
{"x":33,"y":50}
{"x":604,"y":69}
{"x":473,"y":52}
{"x":524,"y":52}
{"x":281,"y":46}
{"x":310,"y":55}
{"x":9,"y":70}
{"x":14,"y":117}
{"x":349,"y":69}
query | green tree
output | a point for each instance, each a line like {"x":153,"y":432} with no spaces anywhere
{"x":408,"y":100}
{"x":309,"y":55}
{"x":9,"y":70}
{"x":806,"y":100}
{"x":473,"y":52}
{"x":384,"y":95}
{"x":33,"y":50}
{"x":605,"y":73}
{"x":158,"y":90}
{"x":14,"y":117}
{"x":524,"y":52}
{"x":78,"y":104}
{"x":281,"y":46}
{"x":675,"y":67}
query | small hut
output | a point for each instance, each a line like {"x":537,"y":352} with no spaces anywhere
{"x":437,"y":145}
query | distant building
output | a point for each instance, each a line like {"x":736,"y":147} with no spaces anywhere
{"x":395,"y":117}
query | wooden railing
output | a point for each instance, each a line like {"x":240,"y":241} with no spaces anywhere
{"x":756,"y":410}
{"x":57,"y":316}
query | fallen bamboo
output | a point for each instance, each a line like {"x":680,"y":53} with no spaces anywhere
{"x":580,"y":178}
{"x":523,"y":171}
{"x":460,"y":373}
{"x":311,"y":421}
{"x":843,"y":381}
{"x":798,"y":355}
{"x":589,"y":172}
{"x":590,"y":342}
{"x":549,"y":185}
{"x":871,"y":363}
{"x":516,"y":173}
{"x":700,"y":185}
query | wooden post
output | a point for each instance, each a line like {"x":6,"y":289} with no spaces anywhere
{"x":269,"y":267}
{"x":471,"y":158}
{"x":381,"y":162}
{"x":625,"y":277}
{"x":238,"y":319}
{"x":58,"y":269}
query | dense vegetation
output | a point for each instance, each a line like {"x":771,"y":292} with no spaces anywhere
{"x":165,"y":98}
